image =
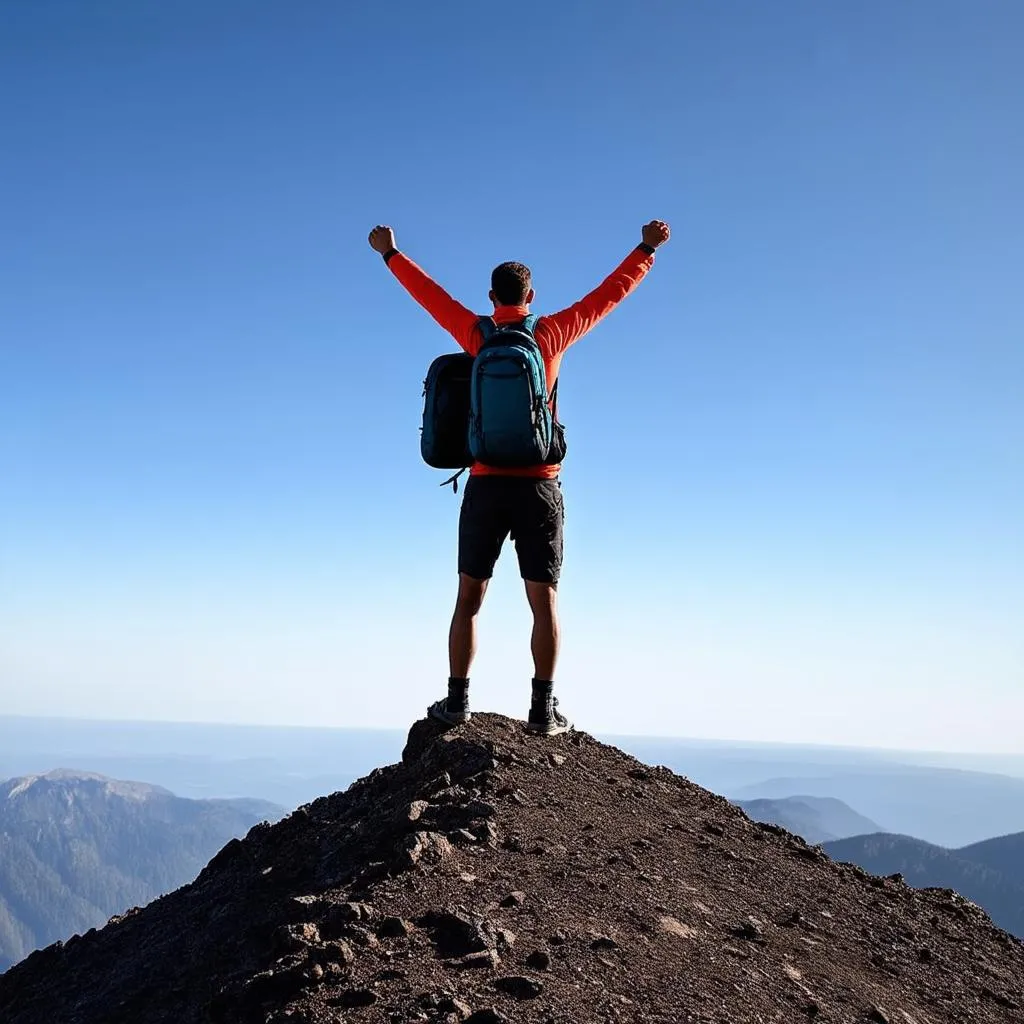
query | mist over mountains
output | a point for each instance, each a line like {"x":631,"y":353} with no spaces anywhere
{"x":288,"y":766}
{"x":947,"y":807}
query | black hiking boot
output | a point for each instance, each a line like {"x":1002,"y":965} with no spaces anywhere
{"x":546,"y":720}
{"x":456,"y":716}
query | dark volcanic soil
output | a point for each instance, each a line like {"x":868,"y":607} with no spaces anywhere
{"x":493,"y":877}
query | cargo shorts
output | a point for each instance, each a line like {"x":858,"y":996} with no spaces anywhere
{"x":530,"y":510}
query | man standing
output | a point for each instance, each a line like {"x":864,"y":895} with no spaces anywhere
{"x":525,"y":502}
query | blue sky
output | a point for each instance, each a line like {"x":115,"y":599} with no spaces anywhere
{"x":795,"y":489}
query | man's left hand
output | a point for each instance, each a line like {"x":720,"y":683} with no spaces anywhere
{"x":382,"y":239}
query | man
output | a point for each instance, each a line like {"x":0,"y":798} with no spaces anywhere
{"x":524,"y":502}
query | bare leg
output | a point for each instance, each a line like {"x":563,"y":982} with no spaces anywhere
{"x":543,"y":598}
{"x":462,"y":635}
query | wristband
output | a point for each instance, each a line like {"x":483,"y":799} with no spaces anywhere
{"x":644,"y":247}
{"x":389,"y":254}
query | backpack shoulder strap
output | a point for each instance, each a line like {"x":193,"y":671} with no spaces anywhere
{"x":486,"y":326}
{"x":530,"y":324}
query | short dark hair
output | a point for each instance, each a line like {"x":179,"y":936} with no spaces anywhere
{"x":510,"y":283}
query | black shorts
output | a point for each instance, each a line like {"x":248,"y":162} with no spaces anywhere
{"x":531,"y":510}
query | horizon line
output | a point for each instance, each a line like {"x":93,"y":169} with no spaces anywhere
{"x":695,"y":740}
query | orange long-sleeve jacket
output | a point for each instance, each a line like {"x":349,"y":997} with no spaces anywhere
{"x":554,"y":332}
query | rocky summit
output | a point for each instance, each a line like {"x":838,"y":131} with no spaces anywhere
{"x":494,"y":876}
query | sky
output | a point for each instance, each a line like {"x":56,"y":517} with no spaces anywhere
{"x":795,"y":481}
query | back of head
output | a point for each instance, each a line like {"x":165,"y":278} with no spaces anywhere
{"x":511,"y":284}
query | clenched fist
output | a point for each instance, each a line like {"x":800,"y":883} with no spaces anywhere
{"x":656,"y":233}
{"x":382,"y":239}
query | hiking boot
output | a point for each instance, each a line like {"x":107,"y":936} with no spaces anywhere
{"x":547,"y":721}
{"x":439,"y":710}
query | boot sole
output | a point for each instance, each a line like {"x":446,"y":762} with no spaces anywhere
{"x":547,"y":730}
{"x":449,"y":719}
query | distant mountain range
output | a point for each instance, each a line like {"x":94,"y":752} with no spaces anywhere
{"x":948,"y":807}
{"x":990,"y":874}
{"x":818,"y":819}
{"x":906,"y":792}
{"x":77,"y":848}
{"x":287,"y":766}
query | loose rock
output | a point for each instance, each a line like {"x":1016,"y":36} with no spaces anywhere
{"x":519,"y":987}
{"x":356,"y":997}
{"x":424,"y":848}
{"x":395,"y":928}
{"x":750,"y":929}
{"x":485,"y":958}
{"x":675,"y":927}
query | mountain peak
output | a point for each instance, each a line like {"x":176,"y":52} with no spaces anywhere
{"x":496,"y":876}
{"x":68,"y":779}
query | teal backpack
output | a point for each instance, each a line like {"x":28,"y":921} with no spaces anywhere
{"x":493,"y":408}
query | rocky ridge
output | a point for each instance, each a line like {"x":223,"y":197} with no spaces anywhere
{"x":493,"y":876}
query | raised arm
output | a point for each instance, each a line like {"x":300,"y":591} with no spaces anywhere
{"x":569,"y":325}
{"x":455,"y":318}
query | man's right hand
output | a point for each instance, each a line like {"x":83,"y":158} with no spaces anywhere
{"x":656,"y":233}
{"x":382,"y":239}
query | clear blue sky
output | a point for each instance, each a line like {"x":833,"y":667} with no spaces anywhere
{"x":795,"y":487}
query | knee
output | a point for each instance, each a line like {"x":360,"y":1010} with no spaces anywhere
{"x":467,"y":607}
{"x":543,"y":598}
{"x":471,"y":597}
